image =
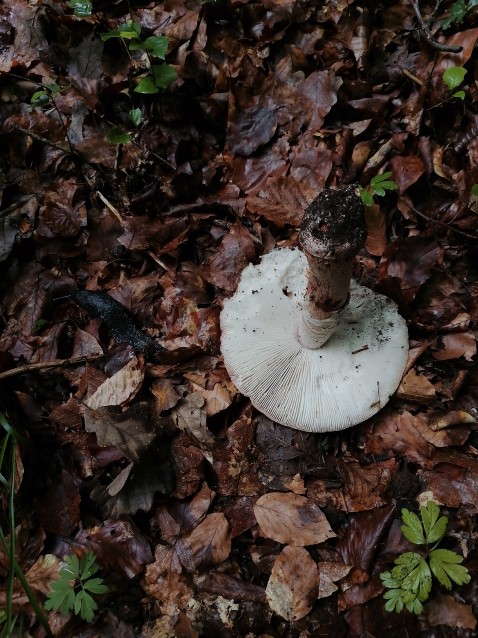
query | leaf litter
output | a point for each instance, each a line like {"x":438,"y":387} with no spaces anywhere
{"x":206,"y":517}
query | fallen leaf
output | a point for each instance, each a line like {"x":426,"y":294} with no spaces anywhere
{"x":130,"y":431}
{"x":415,"y":387}
{"x":291,"y":519}
{"x":330,"y":572}
{"x":207,"y":544}
{"x":455,"y":345}
{"x":120,"y":388}
{"x":190,"y":417}
{"x":293,"y":586}
{"x":445,"y":610}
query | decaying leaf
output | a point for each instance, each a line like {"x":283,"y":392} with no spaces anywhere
{"x":293,"y":585}
{"x":291,"y":519}
{"x":119,"y":388}
{"x":207,"y":544}
{"x":190,"y":417}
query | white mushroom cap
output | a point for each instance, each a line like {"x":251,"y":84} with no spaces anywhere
{"x":346,"y":381}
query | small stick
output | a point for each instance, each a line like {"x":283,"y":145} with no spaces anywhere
{"x":43,"y":365}
{"x":425,"y":27}
{"x":41,"y":139}
{"x":436,"y":221}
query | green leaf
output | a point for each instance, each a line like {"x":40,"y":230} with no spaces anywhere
{"x":394,"y":598}
{"x":460,"y":95}
{"x":405,"y":563}
{"x":72,"y":568}
{"x":446,"y":567}
{"x":164,"y":75}
{"x":456,"y":14}
{"x":81,"y":8}
{"x":474,"y":190}
{"x":433,"y":524}
{"x":118,"y":136}
{"x":419,"y":580}
{"x":136,"y":116}
{"x":129,"y":31}
{"x":388,"y":580}
{"x":40,"y":98}
{"x":454,"y":76}
{"x":147,"y":86}
{"x":95,"y":585}
{"x":157,"y":45}
{"x":412,"y":529}
{"x":365,"y":196}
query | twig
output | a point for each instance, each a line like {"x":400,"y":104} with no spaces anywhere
{"x":56,"y":363}
{"x":41,"y":139}
{"x":425,"y":27}
{"x":412,"y":77}
{"x":435,"y":221}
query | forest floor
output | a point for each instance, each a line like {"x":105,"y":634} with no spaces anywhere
{"x":151,"y":150}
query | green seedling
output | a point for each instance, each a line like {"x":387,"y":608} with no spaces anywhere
{"x":474,"y":190}
{"x":46,"y":95}
{"x":378,"y":186}
{"x":72,"y":591}
{"x":458,"y":11}
{"x":453,"y":76}
{"x":410,"y":582}
{"x":117,"y":135}
{"x":81,"y":8}
{"x":159,"y":76}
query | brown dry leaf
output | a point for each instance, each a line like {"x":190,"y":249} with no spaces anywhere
{"x":85,"y":345}
{"x":292,"y":519}
{"x":359,"y":544}
{"x":45,"y":570}
{"x":217,"y":399}
{"x":164,"y":581}
{"x":119,"y":545}
{"x":293,"y":585}
{"x":226,"y":264}
{"x":364,"y":486}
{"x":411,"y":261}
{"x":445,"y":610}
{"x":165,"y":394}
{"x":120,"y":388}
{"x":455,"y":345}
{"x":230,"y":587}
{"x":330,"y":573}
{"x":415,"y":387}
{"x":250,"y":129}
{"x":406,"y":171}
{"x":282,"y":200}
{"x":453,"y":486}
{"x":130,"y":431}
{"x":397,"y":433}
{"x":208,"y":543}
{"x":190,"y":417}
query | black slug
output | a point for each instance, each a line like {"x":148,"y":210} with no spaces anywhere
{"x":118,"y":320}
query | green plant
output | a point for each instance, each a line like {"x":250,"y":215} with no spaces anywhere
{"x":74,"y":587}
{"x":117,"y":135}
{"x":158,"y":76}
{"x":81,"y":8}
{"x":378,"y":185}
{"x":46,"y":95}
{"x":453,"y":76}
{"x":458,"y":11}
{"x":410,"y":581}
{"x":9,"y":439}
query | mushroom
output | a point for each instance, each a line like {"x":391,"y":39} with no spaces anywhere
{"x":312,"y":349}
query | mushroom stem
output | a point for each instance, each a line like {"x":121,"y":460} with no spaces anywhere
{"x":333,"y":230}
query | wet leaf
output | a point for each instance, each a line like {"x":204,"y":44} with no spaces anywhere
{"x":291,"y":519}
{"x":293,"y":585}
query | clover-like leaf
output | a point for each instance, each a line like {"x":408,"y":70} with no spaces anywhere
{"x":412,"y":528}
{"x":405,"y":564}
{"x":394,"y":598}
